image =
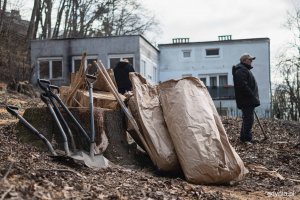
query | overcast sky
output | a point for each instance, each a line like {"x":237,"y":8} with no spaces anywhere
{"x":205,"y":20}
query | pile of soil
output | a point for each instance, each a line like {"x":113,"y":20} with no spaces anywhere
{"x":28,"y":173}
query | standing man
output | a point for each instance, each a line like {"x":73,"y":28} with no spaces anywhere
{"x":121,"y":73}
{"x":246,"y":95}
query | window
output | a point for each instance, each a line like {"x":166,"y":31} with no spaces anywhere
{"x":114,"y":59}
{"x":76,"y":62}
{"x":154,"y":73}
{"x":50,"y":68}
{"x":56,"y":69}
{"x":213,"y":81}
{"x":113,"y":62}
{"x":44,"y":69}
{"x":93,"y":69}
{"x":203,"y":79}
{"x":212,"y":52}
{"x":186,"y":53}
{"x":223,"y":80}
{"x":143,"y":68}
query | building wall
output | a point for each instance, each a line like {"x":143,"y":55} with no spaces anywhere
{"x":173,"y":65}
{"x":149,"y":62}
{"x":101,"y":48}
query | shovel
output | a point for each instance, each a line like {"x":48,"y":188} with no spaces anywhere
{"x":47,"y":101}
{"x":93,"y":160}
{"x":13,"y":110}
{"x":97,"y":162}
{"x":48,"y":88}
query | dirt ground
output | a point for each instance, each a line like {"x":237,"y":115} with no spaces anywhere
{"x":28,"y":173}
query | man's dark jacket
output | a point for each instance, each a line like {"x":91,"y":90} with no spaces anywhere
{"x":245,"y":86}
{"x":121,"y":73}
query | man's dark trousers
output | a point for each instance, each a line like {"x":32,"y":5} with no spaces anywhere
{"x":248,"y":119}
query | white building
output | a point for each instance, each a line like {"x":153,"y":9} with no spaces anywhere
{"x":212,"y":62}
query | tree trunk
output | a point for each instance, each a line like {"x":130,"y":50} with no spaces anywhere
{"x":2,"y":14}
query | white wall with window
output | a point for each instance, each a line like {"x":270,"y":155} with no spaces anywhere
{"x":148,"y":69}
{"x":212,"y":52}
{"x":186,"y":53}
{"x":50,"y":68}
{"x":212,"y":80}
{"x":212,"y":63}
{"x":143,"y":67}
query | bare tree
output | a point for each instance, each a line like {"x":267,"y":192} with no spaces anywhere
{"x":77,"y":17}
{"x":87,"y":18}
{"x":289,"y":68}
{"x":125,"y":18}
{"x":61,"y":9}
{"x":280,"y":105}
{"x":2,"y":12}
{"x":34,"y":21}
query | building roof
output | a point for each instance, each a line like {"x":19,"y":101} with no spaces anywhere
{"x":101,"y":37}
{"x":217,"y":42}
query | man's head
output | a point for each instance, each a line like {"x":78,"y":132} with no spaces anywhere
{"x":247,"y":58}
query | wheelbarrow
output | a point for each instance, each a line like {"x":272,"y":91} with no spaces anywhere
{"x":89,"y":160}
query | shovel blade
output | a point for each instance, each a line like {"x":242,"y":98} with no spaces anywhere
{"x":95,"y":162}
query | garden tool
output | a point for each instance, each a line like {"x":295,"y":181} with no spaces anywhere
{"x":48,"y":88}
{"x":265,"y":135}
{"x":13,"y":110}
{"x":90,"y":80}
{"x":97,"y":162}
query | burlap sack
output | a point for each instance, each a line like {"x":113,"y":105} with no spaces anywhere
{"x":155,"y":138}
{"x":200,"y":140}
